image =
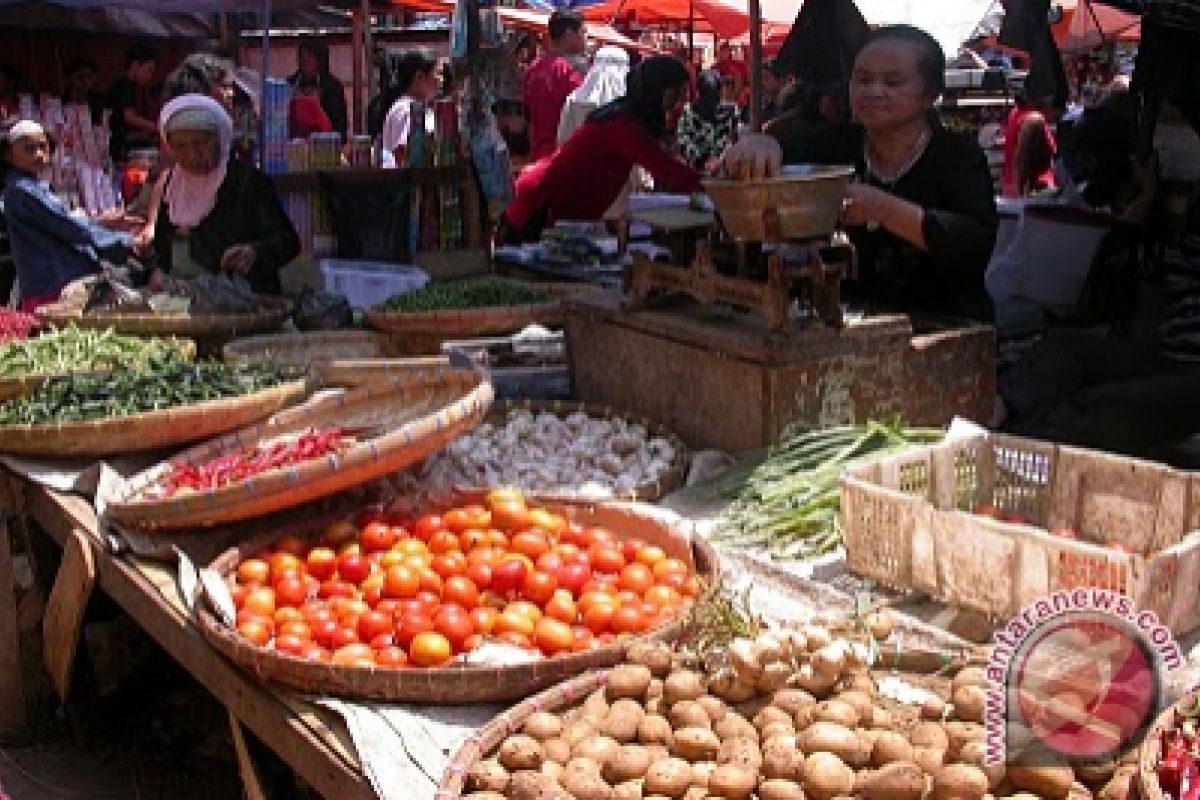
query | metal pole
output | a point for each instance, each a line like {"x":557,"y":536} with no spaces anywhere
{"x":755,"y":66}
{"x":356,"y":47}
{"x":368,"y":60}
{"x":266,"y":69}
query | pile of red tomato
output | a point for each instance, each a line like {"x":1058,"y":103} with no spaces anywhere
{"x":392,"y":592}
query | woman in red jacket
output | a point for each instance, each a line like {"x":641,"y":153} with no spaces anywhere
{"x":584,"y":176}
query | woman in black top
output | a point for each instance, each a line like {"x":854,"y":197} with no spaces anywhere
{"x":922,"y":213}
{"x":218,"y":214}
{"x":314,"y":64}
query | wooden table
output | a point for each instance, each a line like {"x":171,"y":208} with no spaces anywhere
{"x":312,"y":741}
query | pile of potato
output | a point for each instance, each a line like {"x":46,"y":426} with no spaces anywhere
{"x":789,"y":715}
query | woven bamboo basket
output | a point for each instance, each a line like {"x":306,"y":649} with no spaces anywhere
{"x":24,"y":384}
{"x":210,"y":331}
{"x":411,"y":417}
{"x":150,"y":430}
{"x":337,"y":358}
{"x":648,"y":492}
{"x":909,"y":522}
{"x":456,"y":684}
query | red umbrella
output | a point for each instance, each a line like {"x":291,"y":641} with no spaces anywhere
{"x":1089,"y":25}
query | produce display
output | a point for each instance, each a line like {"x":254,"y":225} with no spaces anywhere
{"x":547,"y":452}
{"x":466,"y":294}
{"x":239,"y":466}
{"x":16,"y":325}
{"x":1179,"y":757}
{"x":82,"y":397}
{"x":789,"y":504}
{"x":73,"y":350}
{"x":391,"y":592}
{"x":786,"y":714}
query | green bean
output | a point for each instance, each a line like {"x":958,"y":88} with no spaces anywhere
{"x":458,"y":295}
{"x":74,"y":350}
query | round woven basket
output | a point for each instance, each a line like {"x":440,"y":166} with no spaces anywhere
{"x":210,"y":331}
{"x":24,"y":384}
{"x":649,"y":492}
{"x":456,"y":684}
{"x":150,"y":430}
{"x":337,"y":358}
{"x":407,"y":420}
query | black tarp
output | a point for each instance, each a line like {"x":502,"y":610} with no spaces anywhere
{"x":821,"y":46}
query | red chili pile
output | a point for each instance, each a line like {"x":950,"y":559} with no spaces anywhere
{"x":236,"y":467}
{"x":16,"y":325}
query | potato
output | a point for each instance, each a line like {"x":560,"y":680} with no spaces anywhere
{"x":774,"y":676}
{"x":959,"y":782}
{"x":829,"y":660}
{"x":487,"y":776}
{"x":782,"y":759}
{"x":670,"y":777}
{"x":557,"y":750}
{"x":520,"y":752}
{"x":1052,"y":782}
{"x":732,"y":781}
{"x":970,"y":676}
{"x":838,"y":712}
{"x":970,"y":703}
{"x":899,"y":780}
{"x":583,"y":764}
{"x":623,"y":719}
{"x":933,"y":709}
{"x":595,"y":707}
{"x":630,"y":763}
{"x":929,"y":734}
{"x":975,"y":754}
{"x":484,"y":796}
{"x":654,"y":729}
{"x":575,"y":732}
{"x":890,"y":746}
{"x":740,"y":751}
{"x":816,"y":637}
{"x":552,"y":769}
{"x":682,"y":685}
{"x":773,"y":730}
{"x":731,"y":688}
{"x":655,"y":705}
{"x":861,"y":682}
{"x":695,"y":793}
{"x":770,"y":714}
{"x":1119,"y":785}
{"x":959,"y":734}
{"x":628,"y":681}
{"x":629,"y":790}
{"x":827,"y":776}
{"x":1095,"y":776}
{"x":654,"y":689}
{"x":714,"y":707}
{"x":530,"y":785}
{"x":658,"y":752}
{"x":880,"y":623}
{"x":1079,"y":792}
{"x":931,"y":759}
{"x":696,"y":744}
{"x":862,"y":703}
{"x":882,"y":719}
{"x":701,"y":771}
{"x":688,"y":714}
{"x":596,"y":748}
{"x":735,"y":726}
{"x":817,"y":684}
{"x":654,"y":655}
{"x":793,"y":700}
{"x":828,"y":737}
{"x":778,"y":789}
{"x":542,"y":725}
{"x":586,"y":786}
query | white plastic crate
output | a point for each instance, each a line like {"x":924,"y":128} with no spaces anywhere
{"x":368,"y":283}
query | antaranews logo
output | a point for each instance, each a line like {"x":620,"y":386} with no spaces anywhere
{"x":1076,"y":676}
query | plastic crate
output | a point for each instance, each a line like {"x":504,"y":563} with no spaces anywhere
{"x":909,"y":522}
{"x":365,"y":284}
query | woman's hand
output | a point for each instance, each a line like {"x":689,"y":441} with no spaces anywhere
{"x":865,"y":205}
{"x":874,"y":208}
{"x":238,"y":259}
{"x":755,"y":155}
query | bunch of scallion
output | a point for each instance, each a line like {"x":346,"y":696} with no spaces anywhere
{"x":789,"y":505}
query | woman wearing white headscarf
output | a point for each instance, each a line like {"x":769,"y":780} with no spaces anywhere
{"x":217,"y":215}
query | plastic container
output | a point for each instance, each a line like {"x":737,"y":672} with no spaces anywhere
{"x":367,"y":283}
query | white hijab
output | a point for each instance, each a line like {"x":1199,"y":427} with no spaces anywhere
{"x":604,"y":82}
{"x":190,"y":197}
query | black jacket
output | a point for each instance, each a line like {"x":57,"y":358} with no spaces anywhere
{"x":247,"y":211}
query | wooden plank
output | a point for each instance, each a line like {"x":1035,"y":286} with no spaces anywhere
{"x":13,"y":714}
{"x":252,"y":782}
{"x":63,"y":623}
{"x":299,"y":742}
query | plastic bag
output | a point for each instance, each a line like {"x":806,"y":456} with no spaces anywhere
{"x":317,"y":311}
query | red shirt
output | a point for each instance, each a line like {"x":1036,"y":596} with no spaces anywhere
{"x":585,"y":176}
{"x":548,"y":81}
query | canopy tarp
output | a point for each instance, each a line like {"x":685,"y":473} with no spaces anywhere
{"x":1088,"y":25}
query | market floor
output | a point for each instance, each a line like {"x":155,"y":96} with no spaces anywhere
{"x":159,"y":736}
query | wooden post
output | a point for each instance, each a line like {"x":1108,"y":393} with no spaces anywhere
{"x":63,"y":623}
{"x":14,"y":720}
{"x":755,"y":66}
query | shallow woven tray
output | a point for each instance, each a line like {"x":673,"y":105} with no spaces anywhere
{"x":471,"y":322}
{"x":24,"y":384}
{"x":337,"y":358}
{"x":416,"y":415}
{"x":649,"y":492}
{"x":207,"y":327}
{"x":150,"y":430}
{"x":455,"y":685}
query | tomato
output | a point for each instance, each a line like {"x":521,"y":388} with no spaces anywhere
{"x":691,"y":587}
{"x":391,"y":657}
{"x":550,"y":561}
{"x":479,"y":517}
{"x":346,"y":607}
{"x":457,"y":520}
{"x":443,"y":541}
{"x":321,"y":563}
{"x":339,"y":533}
{"x":323,"y":630}
{"x":508,"y":621}
{"x":472,"y":538}
{"x":290,"y":591}
{"x":575,"y":535}
{"x":515,"y":638}
{"x":287,"y":614}
{"x":382,"y":640}
{"x":374,"y":623}
{"x":628,"y":618}
{"x":377,"y":537}
{"x":353,"y":568}
{"x":296,"y":628}
{"x":508,"y":576}
{"x":256,"y":631}
{"x":350,"y":547}
{"x":538,"y":587}
{"x":261,"y":601}
{"x":595,"y":536}
{"x":598,"y":616}
{"x":484,"y":619}
{"x":480,"y":575}
{"x":284,"y":564}
{"x":401,"y":581}
{"x":496,"y":539}
{"x":561,"y":607}
{"x":532,"y":543}
{"x":573,"y":577}
{"x":317,"y":653}
{"x":253,"y":571}
{"x":504,"y":494}
{"x":333,"y":588}
{"x":447,"y":564}
{"x":429,"y":649}
{"x":510,"y":515}
{"x":411,"y":547}
{"x":291,"y":645}
{"x":553,"y":636}
{"x":410,"y":626}
{"x":238,"y":593}
{"x":453,"y":622}
{"x":353,"y":655}
{"x":461,"y":590}
{"x":662,"y":596}
{"x":542,"y":518}
{"x":606,"y":558}
{"x":342,"y":636}
{"x":630,"y":548}
{"x":637,"y":578}
{"x":583,"y":640}
{"x":525,"y":608}
{"x":427,"y":526}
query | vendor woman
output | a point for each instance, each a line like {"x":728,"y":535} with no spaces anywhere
{"x":584,"y":176}
{"x":51,"y":247}
{"x":217,"y":215}
{"x":922,"y":213}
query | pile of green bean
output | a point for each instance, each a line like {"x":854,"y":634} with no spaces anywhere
{"x":790,"y":504}
{"x":80,"y":397}
{"x":459,"y":295}
{"x":74,"y":350}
